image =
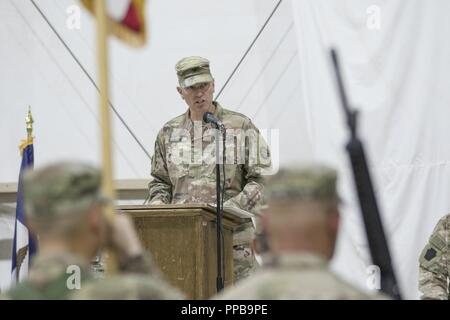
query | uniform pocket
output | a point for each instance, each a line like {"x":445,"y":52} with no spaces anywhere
{"x":178,"y":159}
{"x":177,"y":171}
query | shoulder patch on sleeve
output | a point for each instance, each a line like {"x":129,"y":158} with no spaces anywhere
{"x":430,"y":254}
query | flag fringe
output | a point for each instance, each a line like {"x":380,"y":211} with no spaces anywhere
{"x":133,"y":38}
{"x":25,"y":143}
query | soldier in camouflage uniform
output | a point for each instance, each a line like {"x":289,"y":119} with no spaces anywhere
{"x":65,"y":208}
{"x":434,"y":268}
{"x":301,"y":225}
{"x":183,"y":164}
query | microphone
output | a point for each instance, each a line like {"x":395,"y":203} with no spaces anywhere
{"x":208,"y":117}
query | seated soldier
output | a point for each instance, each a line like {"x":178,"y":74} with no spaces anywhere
{"x":300,"y":226}
{"x":65,"y":209}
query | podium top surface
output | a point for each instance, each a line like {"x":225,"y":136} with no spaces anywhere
{"x":231,"y":213}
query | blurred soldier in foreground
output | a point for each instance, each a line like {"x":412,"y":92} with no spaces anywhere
{"x":65,"y":209}
{"x":183,"y":164}
{"x":434,"y":269}
{"x":301,"y":226}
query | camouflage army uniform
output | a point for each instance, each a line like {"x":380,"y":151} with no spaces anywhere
{"x":434,"y":268}
{"x":138,"y":279}
{"x":48,"y":278}
{"x":52,"y":277}
{"x":181,"y":175}
{"x":294,"y":277}
{"x":132,"y":287}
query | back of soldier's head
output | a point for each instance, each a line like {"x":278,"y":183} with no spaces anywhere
{"x":302,"y":185}
{"x":302,"y":209}
{"x":59,"y":196}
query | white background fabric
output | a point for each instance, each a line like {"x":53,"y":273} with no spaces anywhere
{"x":398,"y":77}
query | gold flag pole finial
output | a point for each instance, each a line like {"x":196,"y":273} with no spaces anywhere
{"x":29,"y":121}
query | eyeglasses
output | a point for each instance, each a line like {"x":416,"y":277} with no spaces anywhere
{"x":200,"y":86}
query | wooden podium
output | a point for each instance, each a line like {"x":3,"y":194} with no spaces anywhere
{"x":182,"y":240}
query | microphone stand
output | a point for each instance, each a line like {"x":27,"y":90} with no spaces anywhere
{"x":219,"y":279}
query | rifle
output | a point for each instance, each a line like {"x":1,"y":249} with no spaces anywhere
{"x":374,"y":229}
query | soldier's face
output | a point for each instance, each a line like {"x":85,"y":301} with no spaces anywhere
{"x":198,"y":97}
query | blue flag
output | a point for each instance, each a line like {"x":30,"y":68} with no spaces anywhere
{"x":24,"y":244}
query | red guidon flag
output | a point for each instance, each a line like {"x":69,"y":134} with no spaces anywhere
{"x":126,"y":19}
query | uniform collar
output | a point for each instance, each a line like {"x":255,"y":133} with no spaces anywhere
{"x":295,"y":260}
{"x":46,"y":267}
{"x":189,"y":124}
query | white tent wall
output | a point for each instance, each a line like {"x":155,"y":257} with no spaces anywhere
{"x":398,"y":77}
{"x":282,"y":108}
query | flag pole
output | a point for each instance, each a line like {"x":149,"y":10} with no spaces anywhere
{"x":105,"y":116}
{"x":19,"y":255}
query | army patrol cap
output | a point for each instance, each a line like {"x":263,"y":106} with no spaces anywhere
{"x":313,"y":183}
{"x":192,"y":71}
{"x":62,"y":189}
